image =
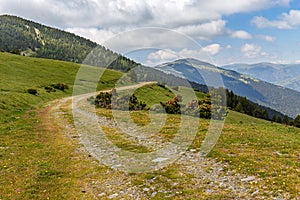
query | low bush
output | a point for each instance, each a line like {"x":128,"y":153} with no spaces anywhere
{"x":50,"y":89}
{"x":32,"y":91}
{"x":60,"y":86}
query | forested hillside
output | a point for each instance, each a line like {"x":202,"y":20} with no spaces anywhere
{"x":28,"y":38}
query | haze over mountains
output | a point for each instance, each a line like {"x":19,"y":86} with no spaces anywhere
{"x":36,"y":40}
{"x":286,"y":75}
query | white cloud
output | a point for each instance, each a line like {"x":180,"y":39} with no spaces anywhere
{"x":167,"y":55}
{"x":204,"y":30}
{"x":283,"y":2}
{"x":163,"y":55}
{"x":251,"y":50}
{"x":262,"y":22}
{"x":94,"y":34}
{"x":107,"y":13}
{"x":285,"y":21}
{"x":267,"y":38}
{"x":212,"y":49}
{"x":241,"y":35}
{"x":228,"y":46}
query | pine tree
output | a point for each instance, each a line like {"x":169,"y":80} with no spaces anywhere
{"x":285,"y":120}
{"x":278,"y":119}
{"x":297,"y":121}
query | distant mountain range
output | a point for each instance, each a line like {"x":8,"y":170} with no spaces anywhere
{"x":276,"y":97}
{"x":286,"y":75}
{"x":28,"y":38}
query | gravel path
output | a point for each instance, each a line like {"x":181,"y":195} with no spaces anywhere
{"x":204,"y":177}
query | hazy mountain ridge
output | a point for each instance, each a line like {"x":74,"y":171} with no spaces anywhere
{"x":286,"y":75}
{"x":276,"y":97}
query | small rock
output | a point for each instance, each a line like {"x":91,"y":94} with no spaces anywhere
{"x":146,"y":189}
{"x":209,"y":191}
{"x":102,"y":194}
{"x":249,"y":178}
{"x":113,"y":196}
{"x":255,"y":193}
{"x":159,"y":159}
{"x":116,"y":166}
{"x":278,"y":153}
{"x":153,"y":194}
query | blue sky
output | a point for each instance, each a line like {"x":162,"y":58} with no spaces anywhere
{"x":218,"y":31}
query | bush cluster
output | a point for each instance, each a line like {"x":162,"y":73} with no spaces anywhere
{"x":32,"y":91}
{"x":110,"y":101}
{"x":202,"y":108}
{"x":60,"y":86}
{"x":50,"y":89}
{"x":57,"y":86}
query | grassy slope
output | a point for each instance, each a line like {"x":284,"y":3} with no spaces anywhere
{"x":154,"y":94}
{"x":31,"y":159}
{"x":265,"y":149}
{"x":21,"y":73}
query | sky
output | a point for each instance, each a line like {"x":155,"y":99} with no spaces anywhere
{"x":153,"y":31}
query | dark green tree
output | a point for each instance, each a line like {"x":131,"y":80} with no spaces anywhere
{"x":297,"y":121}
{"x":285,"y":120}
{"x":278,"y":119}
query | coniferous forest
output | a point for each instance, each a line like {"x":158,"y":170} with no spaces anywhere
{"x":28,"y":38}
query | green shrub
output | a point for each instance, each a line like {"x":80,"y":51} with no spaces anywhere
{"x":60,"y":86}
{"x":32,"y":91}
{"x":50,"y":89}
{"x":104,"y":100}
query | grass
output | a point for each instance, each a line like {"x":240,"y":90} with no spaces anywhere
{"x":39,"y":161}
{"x":250,"y":146}
{"x":35,"y":163}
{"x":21,"y":73}
{"x":154,"y":94}
{"x":268,"y":150}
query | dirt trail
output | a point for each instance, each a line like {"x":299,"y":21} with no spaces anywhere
{"x":206,"y":177}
